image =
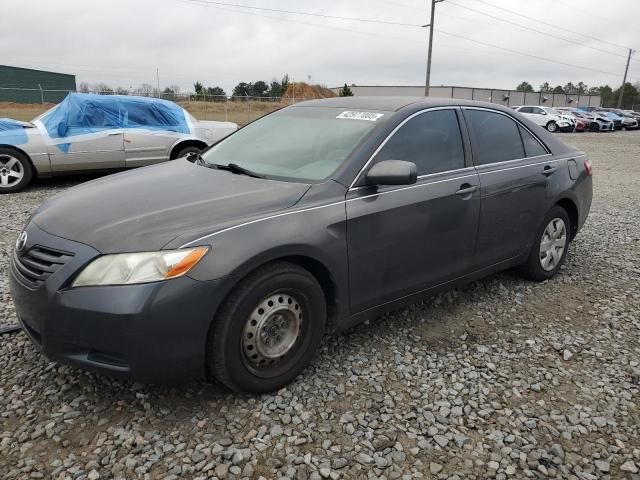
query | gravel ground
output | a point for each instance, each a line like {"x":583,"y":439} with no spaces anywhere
{"x":503,"y":378}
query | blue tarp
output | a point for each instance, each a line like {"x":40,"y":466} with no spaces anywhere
{"x":83,"y":113}
{"x":12,"y":132}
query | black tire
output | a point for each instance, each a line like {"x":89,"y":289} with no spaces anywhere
{"x":552,"y":126}
{"x":594,"y":127}
{"x":183,"y":152}
{"x":12,"y":163}
{"x":533,"y":269}
{"x":227,"y":356}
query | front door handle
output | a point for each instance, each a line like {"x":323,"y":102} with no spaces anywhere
{"x":546,"y":171}
{"x":113,"y":134}
{"x":466,"y":189}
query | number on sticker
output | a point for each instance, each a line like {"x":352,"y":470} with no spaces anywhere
{"x":369,"y":116}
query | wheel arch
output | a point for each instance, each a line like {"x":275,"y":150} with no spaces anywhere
{"x":572,"y":210}
{"x":311,"y":263}
{"x":192,"y":142}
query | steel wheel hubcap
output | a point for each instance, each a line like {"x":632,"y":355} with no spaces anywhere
{"x":11,"y":171}
{"x":272,"y":329}
{"x":552,"y":244}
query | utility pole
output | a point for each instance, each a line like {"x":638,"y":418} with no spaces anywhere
{"x":430,"y":48}
{"x":624,"y":81}
{"x":158,"y":81}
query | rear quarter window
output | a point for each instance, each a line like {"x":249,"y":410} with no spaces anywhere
{"x":532,"y":147}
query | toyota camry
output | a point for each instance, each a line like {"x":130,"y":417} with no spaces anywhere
{"x":233,"y":264}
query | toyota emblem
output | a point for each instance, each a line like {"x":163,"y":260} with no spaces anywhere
{"x":21,"y":241}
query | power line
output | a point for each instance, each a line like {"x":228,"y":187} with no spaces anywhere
{"x":558,"y":37}
{"x":526,"y":54}
{"x":551,"y":24}
{"x":211,"y":4}
{"x":309,"y":14}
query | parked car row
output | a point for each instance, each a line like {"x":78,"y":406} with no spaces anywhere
{"x":568,"y":119}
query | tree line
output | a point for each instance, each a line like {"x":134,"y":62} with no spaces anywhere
{"x":259,"y":89}
{"x":609,"y":96}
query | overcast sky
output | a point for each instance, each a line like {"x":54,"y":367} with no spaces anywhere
{"x":122,"y":42}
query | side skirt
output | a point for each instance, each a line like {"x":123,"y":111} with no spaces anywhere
{"x":353,"y":320}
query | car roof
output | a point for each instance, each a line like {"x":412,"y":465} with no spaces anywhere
{"x":393,"y":104}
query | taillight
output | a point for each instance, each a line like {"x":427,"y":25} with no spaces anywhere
{"x":588,"y":167}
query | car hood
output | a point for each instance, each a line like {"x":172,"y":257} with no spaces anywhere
{"x":144,"y":209}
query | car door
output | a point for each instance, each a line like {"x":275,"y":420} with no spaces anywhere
{"x":89,"y":140}
{"x":146,"y":147}
{"x":152,"y":129}
{"x":514,"y":168}
{"x":405,"y":239}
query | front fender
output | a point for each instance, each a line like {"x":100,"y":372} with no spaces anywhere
{"x":317,"y":233}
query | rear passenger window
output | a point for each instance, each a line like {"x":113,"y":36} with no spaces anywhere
{"x":431,"y":140}
{"x":497,"y":137}
{"x":532,"y":146}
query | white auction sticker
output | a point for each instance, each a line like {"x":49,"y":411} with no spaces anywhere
{"x":369,"y":116}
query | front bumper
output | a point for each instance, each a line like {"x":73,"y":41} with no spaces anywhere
{"x":154,"y":333}
{"x":565,"y":127}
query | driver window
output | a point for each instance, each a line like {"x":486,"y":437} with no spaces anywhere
{"x":431,"y":140}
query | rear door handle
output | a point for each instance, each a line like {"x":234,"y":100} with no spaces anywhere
{"x":113,"y":134}
{"x":466,"y":189}
{"x":548,"y":170}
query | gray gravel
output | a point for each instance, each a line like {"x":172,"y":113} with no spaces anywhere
{"x":500,"y":379}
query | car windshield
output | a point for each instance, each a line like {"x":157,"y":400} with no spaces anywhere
{"x":45,"y":113}
{"x":551,"y":111}
{"x":296,"y":143}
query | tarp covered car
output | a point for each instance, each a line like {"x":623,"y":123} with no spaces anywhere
{"x":98,"y":132}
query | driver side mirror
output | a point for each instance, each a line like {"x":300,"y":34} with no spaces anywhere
{"x":392,"y":172}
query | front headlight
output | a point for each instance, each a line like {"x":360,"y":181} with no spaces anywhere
{"x":131,"y":268}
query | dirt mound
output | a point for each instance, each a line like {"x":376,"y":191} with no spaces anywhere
{"x":304,"y":90}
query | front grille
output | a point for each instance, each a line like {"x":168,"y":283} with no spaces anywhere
{"x":37,"y":264}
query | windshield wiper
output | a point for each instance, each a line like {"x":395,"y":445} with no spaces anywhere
{"x":235,"y":168}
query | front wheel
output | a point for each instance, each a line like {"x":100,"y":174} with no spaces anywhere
{"x":594,"y":127}
{"x":15,"y":171}
{"x":268,"y":329}
{"x":552,"y":126}
{"x":550,"y":247}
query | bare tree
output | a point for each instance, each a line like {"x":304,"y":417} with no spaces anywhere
{"x":103,"y":89}
{"x":145,"y":90}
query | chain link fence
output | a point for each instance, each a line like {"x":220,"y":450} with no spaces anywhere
{"x":27,"y":103}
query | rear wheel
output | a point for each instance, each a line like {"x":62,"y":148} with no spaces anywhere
{"x":550,"y":247}
{"x":268,"y":329}
{"x":552,"y":126}
{"x":15,"y":170}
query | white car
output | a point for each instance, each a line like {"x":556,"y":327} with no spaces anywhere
{"x":88,"y":132}
{"x":547,"y":117}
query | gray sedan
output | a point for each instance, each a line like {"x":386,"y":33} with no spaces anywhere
{"x":314,"y":218}
{"x":88,"y":132}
